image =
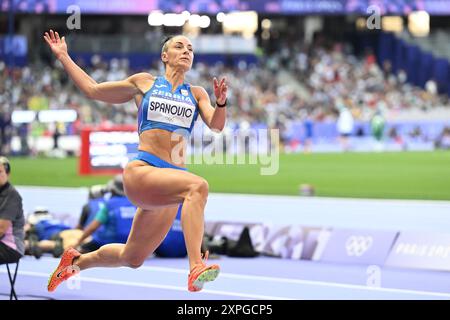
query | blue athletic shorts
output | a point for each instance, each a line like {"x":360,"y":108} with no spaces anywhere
{"x":155,"y":161}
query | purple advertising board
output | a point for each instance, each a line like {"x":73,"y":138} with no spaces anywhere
{"x":109,"y":6}
{"x":294,"y":242}
{"x":358,"y":246}
{"x":421,"y":250}
{"x":402,"y":7}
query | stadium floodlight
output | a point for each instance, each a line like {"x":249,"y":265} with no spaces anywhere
{"x":205,"y":21}
{"x":220,"y":17}
{"x":266,"y":24}
{"x":361,"y":24}
{"x":245,"y":22}
{"x":173,"y":20}
{"x":419,"y":23}
{"x":392,"y":24}
{"x":265,"y":35}
{"x":195,"y":20}
{"x":186,"y":14}
{"x":156,"y":18}
{"x":23,"y":116}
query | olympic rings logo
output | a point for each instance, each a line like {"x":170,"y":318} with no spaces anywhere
{"x":358,"y":245}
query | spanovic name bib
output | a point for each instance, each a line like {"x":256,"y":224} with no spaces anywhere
{"x":170,"y":111}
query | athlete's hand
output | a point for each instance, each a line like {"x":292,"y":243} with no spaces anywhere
{"x":220,"y":90}
{"x":57,"y":45}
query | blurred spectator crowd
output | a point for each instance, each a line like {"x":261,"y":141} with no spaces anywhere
{"x":294,"y":83}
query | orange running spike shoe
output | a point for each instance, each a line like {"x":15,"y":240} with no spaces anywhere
{"x":65,"y":269}
{"x":202,"y":273}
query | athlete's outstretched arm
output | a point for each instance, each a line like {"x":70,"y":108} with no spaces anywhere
{"x":110,"y":92}
{"x":213,"y":117}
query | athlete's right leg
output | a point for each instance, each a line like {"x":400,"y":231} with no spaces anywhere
{"x":148,"y":231}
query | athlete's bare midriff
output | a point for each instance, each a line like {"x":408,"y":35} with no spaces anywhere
{"x":166,"y":145}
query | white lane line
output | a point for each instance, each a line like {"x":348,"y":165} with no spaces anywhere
{"x":300,"y":281}
{"x":309,"y":282}
{"x":159,"y":286}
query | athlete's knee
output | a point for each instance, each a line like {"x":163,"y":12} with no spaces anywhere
{"x":134,"y":263}
{"x":132,"y":260}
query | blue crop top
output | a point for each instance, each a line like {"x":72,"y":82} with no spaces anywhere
{"x":162,"y":109}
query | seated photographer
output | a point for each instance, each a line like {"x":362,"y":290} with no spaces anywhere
{"x":112,"y":223}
